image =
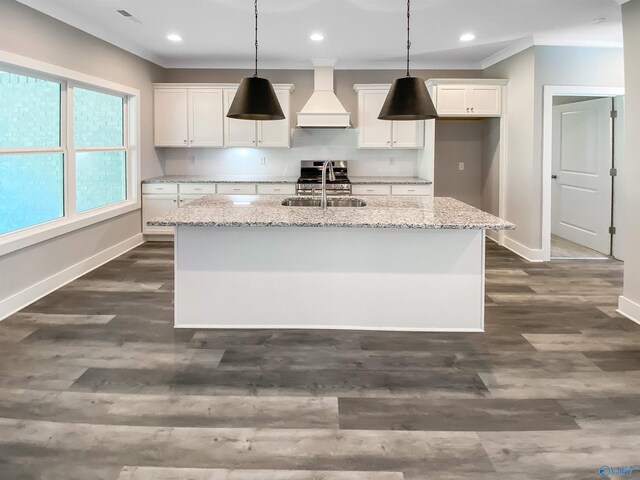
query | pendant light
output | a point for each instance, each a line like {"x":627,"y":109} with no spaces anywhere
{"x":255,"y":98}
{"x":408,"y":98}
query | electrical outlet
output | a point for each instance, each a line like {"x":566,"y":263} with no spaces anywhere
{"x":263,"y":160}
{"x":461,"y":166}
{"x":392,"y":161}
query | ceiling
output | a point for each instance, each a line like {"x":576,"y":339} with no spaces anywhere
{"x":359,"y":33}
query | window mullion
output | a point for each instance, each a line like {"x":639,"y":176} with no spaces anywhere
{"x":70,"y":207}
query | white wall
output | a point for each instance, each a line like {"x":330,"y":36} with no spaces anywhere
{"x":26,"y":32}
{"x":491,"y":166}
{"x":307,"y":144}
{"x":630,"y":302}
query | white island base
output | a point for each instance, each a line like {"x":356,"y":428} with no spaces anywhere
{"x":330,"y":278}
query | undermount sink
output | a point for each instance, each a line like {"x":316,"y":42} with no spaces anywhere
{"x":331,"y":202}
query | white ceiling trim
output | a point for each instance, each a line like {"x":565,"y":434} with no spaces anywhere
{"x":622,"y":2}
{"x":513,"y":49}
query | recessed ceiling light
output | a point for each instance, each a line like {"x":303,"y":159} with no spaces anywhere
{"x":317,"y":37}
{"x":467,"y":37}
{"x":174,"y":37}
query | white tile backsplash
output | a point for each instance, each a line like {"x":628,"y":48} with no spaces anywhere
{"x":306,"y":144}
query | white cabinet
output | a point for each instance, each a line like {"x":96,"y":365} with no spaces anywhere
{"x":263,"y":134}
{"x":383,"y":189}
{"x":422,"y":190}
{"x":206,"y":118}
{"x":185,"y":117}
{"x":157,"y":205}
{"x":237,"y":189}
{"x":374,"y":133}
{"x":276,"y":189}
{"x":370,"y":190}
{"x":468,"y":100}
{"x":188,"y":198}
{"x":171,"y":117}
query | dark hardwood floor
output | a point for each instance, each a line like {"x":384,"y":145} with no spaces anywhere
{"x":96,"y":384}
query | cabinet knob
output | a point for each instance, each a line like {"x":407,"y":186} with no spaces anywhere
{"x":472,"y":109}
{"x":468,"y":109}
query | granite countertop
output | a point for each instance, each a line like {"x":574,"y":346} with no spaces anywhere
{"x":356,"y":180}
{"x":220,"y":179}
{"x":380,"y":212}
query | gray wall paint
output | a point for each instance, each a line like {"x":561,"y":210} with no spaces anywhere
{"x":519,"y":188}
{"x":631,"y":24}
{"x":490,"y":182}
{"x":529,"y":72}
{"x":26,"y":32}
{"x":459,"y":141}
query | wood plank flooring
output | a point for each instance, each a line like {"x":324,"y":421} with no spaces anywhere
{"x":96,"y":384}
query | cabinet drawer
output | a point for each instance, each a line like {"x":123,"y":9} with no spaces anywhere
{"x":159,"y":188}
{"x":370,"y":189}
{"x":276,"y":189}
{"x":198,"y":188}
{"x":237,"y":188}
{"x":412,"y":190}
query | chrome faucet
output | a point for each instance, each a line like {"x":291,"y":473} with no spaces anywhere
{"x":332,"y":177}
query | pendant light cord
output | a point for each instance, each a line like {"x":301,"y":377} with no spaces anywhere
{"x":255,"y":4}
{"x":408,"y":33}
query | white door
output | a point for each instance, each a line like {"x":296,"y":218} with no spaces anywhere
{"x":237,"y":133}
{"x":408,"y":134}
{"x":154,"y":206}
{"x":373,"y":133}
{"x":581,"y":189}
{"x":188,"y":198}
{"x":453,"y":99}
{"x":206,"y":118}
{"x":486,"y":100}
{"x":170,"y":117}
{"x":276,"y":133}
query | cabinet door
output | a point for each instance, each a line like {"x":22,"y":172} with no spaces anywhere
{"x":486,"y":100}
{"x":453,"y":100}
{"x":373,"y":133}
{"x":237,"y":133}
{"x":170,"y":117}
{"x":206,"y":118}
{"x":276,"y":133}
{"x":408,"y":134}
{"x":154,"y":206}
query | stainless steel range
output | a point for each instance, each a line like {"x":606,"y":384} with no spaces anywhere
{"x":310,"y":181}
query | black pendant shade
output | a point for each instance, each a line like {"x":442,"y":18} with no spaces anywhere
{"x":408,"y":99}
{"x":255,"y":100}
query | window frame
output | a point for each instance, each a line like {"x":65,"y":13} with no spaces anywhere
{"x":72,"y":220}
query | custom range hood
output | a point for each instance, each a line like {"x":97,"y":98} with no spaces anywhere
{"x":323,"y":109}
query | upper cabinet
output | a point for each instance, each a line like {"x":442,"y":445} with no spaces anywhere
{"x":473,"y":98}
{"x":194,"y":115}
{"x":262,"y":134}
{"x":374,"y":133}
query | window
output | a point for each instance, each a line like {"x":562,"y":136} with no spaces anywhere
{"x":65,"y":154}
{"x":99,"y":143}
{"x":31,"y":157}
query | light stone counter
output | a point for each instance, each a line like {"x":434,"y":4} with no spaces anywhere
{"x":380,"y":212}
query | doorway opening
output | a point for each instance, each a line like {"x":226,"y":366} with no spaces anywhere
{"x":582,"y":173}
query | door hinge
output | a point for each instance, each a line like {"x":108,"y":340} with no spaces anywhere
{"x":612,"y":230}
{"x":614,"y":114}
{"x":613,"y":172}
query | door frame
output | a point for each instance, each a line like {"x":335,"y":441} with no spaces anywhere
{"x":551,"y":91}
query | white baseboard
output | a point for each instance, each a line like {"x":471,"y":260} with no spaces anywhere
{"x":629,"y":309}
{"x":495,"y":236}
{"x":530,"y":254}
{"x":17,"y":302}
{"x":327,"y":327}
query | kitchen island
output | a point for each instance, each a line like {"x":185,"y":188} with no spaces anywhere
{"x":398,"y":263}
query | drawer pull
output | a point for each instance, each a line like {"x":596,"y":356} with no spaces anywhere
{"x":197,"y":189}
{"x":236,"y":189}
{"x":276,"y":189}
{"x":410,"y":190}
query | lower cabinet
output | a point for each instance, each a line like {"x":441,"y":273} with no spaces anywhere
{"x":407,"y":190}
{"x":157,"y":205}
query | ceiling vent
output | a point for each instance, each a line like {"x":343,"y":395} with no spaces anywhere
{"x":127,"y":15}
